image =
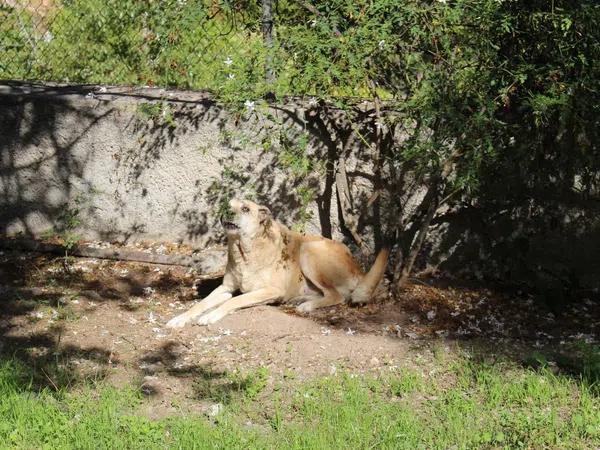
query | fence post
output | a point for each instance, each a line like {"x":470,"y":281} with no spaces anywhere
{"x":267,"y":30}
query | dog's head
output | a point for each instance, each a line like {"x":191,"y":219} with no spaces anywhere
{"x":246,"y":218}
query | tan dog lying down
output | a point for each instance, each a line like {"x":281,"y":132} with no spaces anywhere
{"x":267,"y":262}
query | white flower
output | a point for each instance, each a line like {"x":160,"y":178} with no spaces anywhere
{"x":443,"y":1}
{"x":350,"y":332}
{"x":249,"y":104}
{"x":381,"y":44}
{"x":431,"y":314}
{"x":231,"y":76}
{"x":228,"y":61}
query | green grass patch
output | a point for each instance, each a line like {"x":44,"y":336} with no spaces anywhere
{"x":485,"y":406}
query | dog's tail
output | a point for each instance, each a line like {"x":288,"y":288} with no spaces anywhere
{"x":371,"y":279}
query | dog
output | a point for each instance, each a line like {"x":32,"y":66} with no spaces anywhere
{"x":269,"y":263}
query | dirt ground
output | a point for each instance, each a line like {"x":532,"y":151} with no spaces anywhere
{"x":105,"y":319}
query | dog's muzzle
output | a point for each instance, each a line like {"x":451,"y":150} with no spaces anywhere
{"x":229,"y":225}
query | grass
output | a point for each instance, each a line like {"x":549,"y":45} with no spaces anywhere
{"x":467,"y":405}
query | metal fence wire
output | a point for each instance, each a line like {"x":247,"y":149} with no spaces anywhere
{"x":238,"y":49}
{"x":186,"y":44}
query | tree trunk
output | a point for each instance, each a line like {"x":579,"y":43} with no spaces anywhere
{"x":346,"y":208}
{"x":432,"y":199}
{"x":407,"y":264}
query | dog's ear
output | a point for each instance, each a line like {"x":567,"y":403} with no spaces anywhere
{"x":264,"y":215}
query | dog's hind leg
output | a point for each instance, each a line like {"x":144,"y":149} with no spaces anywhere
{"x":310,"y":269}
{"x":331,"y":297}
{"x":330,"y":267}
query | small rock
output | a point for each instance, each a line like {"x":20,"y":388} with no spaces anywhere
{"x":214,"y":410}
{"x":148,"y":390}
{"x":150,"y":368}
{"x":149,"y":290}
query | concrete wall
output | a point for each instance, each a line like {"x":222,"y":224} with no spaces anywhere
{"x":134,"y":171}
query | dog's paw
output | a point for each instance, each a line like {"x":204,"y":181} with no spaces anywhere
{"x":305,"y":307}
{"x":211,"y":317}
{"x":177,"y":322}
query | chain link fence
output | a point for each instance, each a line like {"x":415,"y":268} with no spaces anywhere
{"x":237,"y":49}
{"x":185,"y":44}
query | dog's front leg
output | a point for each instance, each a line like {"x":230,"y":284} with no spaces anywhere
{"x":219,"y":295}
{"x":241,"y":301}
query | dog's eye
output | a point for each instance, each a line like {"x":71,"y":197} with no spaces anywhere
{"x":245,"y":209}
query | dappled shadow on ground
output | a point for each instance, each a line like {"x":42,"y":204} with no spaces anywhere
{"x":40,"y":299}
{"x":63,"y":323}
{"x":488,"y":324}
{"x":208,"y":383}
{"x":445,"y":308}
{"x":100,"y":317}
{"x":48,"y":362}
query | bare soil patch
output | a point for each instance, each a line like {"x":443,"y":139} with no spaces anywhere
{"x":105,"y":319}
